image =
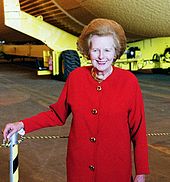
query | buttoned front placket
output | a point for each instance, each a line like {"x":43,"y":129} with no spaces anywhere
{"x":93,"y":139}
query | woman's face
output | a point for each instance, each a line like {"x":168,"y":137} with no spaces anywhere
{"x":102,"y":52}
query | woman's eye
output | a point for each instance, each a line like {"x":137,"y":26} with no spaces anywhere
{"x":107,"y":50}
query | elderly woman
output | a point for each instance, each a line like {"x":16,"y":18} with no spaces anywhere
{"x":107,"y":108}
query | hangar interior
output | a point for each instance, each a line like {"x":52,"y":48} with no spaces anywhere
{"x":140,"y":19}
{"x":54,"y":26}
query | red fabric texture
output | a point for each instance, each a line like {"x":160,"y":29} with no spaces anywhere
{"x":117,"y":120}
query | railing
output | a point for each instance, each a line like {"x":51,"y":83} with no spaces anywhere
{"x":14,"y":142}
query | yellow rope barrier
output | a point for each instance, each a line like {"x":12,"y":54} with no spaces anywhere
{"x":58,"y":137}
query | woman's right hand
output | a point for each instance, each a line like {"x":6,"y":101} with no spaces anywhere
{"x":11,"y":128}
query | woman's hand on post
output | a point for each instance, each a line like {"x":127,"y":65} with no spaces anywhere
{"x":11,"y":128}
{"x":139,"y":178}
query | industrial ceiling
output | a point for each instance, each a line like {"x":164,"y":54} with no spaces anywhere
{"x":139,"y":18}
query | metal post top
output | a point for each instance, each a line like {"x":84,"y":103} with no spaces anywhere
{"x":14,"y":139}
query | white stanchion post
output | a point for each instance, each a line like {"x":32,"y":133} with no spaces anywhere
{"x":14,"y":167}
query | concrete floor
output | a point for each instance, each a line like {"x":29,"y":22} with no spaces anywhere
{"x":23,"y":94}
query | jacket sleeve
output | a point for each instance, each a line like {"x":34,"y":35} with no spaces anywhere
{"x":56,"y":115}
{"x":138,"y":132}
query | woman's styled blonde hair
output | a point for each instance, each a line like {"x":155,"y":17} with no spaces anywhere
{"x":102,"y":27}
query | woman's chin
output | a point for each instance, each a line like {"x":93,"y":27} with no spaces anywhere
{"x":102,"y":68}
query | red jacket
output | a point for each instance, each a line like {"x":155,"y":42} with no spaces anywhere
{"x":107,"y":116}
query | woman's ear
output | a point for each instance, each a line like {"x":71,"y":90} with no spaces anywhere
{"x":114,"y":58}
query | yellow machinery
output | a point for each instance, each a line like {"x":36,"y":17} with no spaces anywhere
{"x":26,"y":50}
{"x":62,"y":45}
{"x":62,"y":55}
{"x":151,"y":53}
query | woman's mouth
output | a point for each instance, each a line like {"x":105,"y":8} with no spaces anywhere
{"x":101,"y":62}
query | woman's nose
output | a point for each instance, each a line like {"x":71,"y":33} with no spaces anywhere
{"x":101,"y":54}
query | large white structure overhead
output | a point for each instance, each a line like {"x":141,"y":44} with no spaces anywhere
{"x":140,"y":19}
